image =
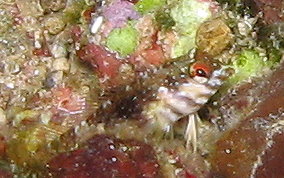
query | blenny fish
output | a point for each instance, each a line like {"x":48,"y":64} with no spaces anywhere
{"x":186,"y":99}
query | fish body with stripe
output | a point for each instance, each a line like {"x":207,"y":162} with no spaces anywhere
{"x":186,"y":99}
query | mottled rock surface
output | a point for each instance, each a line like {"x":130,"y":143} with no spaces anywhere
{"x":106,"y":157}
{"x":272,"y":9}
{"x":272,"y":159}
{"x":252,"y":147}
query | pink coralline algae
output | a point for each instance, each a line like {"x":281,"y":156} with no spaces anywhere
{"x":119,"y":12}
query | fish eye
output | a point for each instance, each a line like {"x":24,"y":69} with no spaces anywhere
{"x":200,"y":73}
{"x":200,"y":70}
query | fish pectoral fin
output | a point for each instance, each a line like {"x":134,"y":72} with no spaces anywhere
{"x":191,"y":132}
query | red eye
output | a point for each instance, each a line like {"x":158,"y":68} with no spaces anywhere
{"x":200,"y":69}
{"x":200,"y":73}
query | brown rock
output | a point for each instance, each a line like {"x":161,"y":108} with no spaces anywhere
{"x":272,"y":160}
{"x":5,"y":174}
{"x":241,"y":100}
{"x":213,"y":37}
{"x":255,"y":139}
{"x":272,"y":9}
{"x":53,"y":5}
{"x":107,"y":157}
